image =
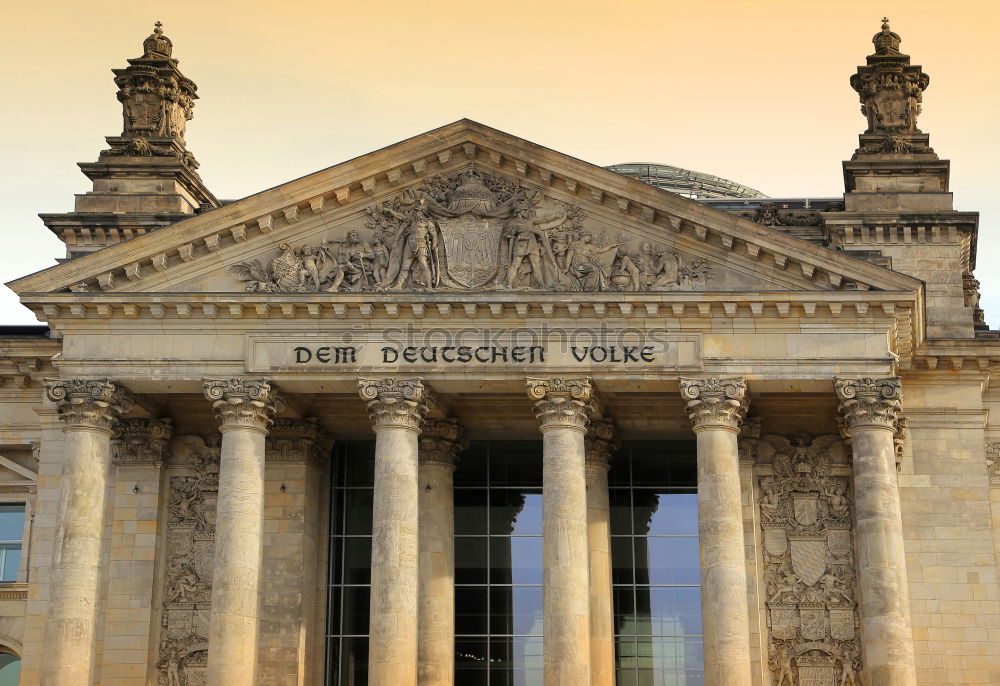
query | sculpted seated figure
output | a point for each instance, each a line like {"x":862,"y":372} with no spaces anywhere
{"x":589,"y":264}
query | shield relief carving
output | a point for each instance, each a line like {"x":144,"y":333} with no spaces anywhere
{"x":808,"y":558}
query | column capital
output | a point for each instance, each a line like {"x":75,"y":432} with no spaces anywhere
{"x":562,"y":403}
{"x":141,"y":441}
{"x":441,"y":441}
{"x":716,"y":402}
{"x":95,"y":404}
{"x":600,"y":443}
{"x":297,"y":440}
{"x":244,"y":403}
{"x":395,"y":403}
{"x":868,"y":402}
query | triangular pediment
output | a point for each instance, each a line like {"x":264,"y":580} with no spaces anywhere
{"x":463,"y":208}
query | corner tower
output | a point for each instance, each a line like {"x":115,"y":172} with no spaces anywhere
{"x":147,"y":178}
{"x":897,"y":203}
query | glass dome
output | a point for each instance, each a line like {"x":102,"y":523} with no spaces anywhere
{"x":690,"y":184}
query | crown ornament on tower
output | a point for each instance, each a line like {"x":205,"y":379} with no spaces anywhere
{"x":891,"y":92}
{"x":157,"y":99}
{"x":157,"y":46}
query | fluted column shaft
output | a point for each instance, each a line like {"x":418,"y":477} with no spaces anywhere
{"x":440,"y":443}
{"x":563,"y":408}
{"x":716,"y":408}
{"x":397,"y":408}
{"x":871,"y":411}
{"x":600,"y":445}
{"x":90,"y":410}
{"x":244,"y":409}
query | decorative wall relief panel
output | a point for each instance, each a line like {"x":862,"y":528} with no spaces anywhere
{"x":809,"y":570}
{"x":190,"y":556}
{"x":475,"y":230}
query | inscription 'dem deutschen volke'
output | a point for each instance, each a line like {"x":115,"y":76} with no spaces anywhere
{"x":467,"y":354}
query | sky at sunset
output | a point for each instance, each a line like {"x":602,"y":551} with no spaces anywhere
{"x":756,"y":92}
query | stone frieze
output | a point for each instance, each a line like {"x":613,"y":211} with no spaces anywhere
{"x":474,"y":231}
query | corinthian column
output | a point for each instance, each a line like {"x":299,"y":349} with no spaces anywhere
{"x":397,"y":408}
{"x":870,"y":410}
{"x":563,"y":408}
{"x":717,"y":408}
{"x":600,"y":444}
{"x":90,"y":410}
{"x":440,"y":443}
{"x":244,"y":409}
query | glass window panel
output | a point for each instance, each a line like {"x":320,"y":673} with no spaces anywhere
{"x":624,"y":600}
{"x":666,"y":513}
{"x":11,"y":522}
{"x":516,"y":463}
{"x":516,"y":610}
{"x":620,"y":500}
{"x":672,"y":611}
{"x":10,"y":673}
{"x":515,"y":560}
{"x":335,"y":560}
{"x":664,"y":463}
{"x":333,"y":623}
{"x":473,"y":465}
{"x":515,"y":512}
{"x":620,"y":473}
{"x":667,"y":560}
{"x":358,"y":512}
{"x":621,"y":560}
{"x":471,"y":612}
{"x":668,"y":661}
{"x":518,"y":656}
{"x":354,"y":661}
{"x":356,"y":599}
{"x":11,"y":558}
{"x":470,"y":511}
{"x":360,"y":464}
{"x":470,"y":560}
{"x":332,"y":659}
{"x":625,"y":654}
{"x":357,"y":560}
{"x":471,"y":661}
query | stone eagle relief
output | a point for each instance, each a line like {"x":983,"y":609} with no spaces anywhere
{"x":809,"y":572}
{"x":473,"y":231}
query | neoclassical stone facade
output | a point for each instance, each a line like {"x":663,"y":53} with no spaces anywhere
{"x":171,"y":436}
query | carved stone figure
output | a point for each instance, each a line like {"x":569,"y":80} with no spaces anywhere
{"x":183,"y":585}
{"x":416,"y":251}
{"x":993,"y":461}
{"x":589,"y":264}
{"x":809,"y":570}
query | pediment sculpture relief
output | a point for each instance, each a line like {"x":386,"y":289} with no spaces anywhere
{"x":474,"y":231}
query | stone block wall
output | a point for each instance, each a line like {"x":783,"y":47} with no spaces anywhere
{"x":949,"y":528}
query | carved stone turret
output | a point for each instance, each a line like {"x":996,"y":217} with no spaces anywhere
{"x":894,"y":155}
{"x":147,"y":179}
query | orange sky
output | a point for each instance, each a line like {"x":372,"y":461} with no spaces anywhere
{"x":753,"y":91}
